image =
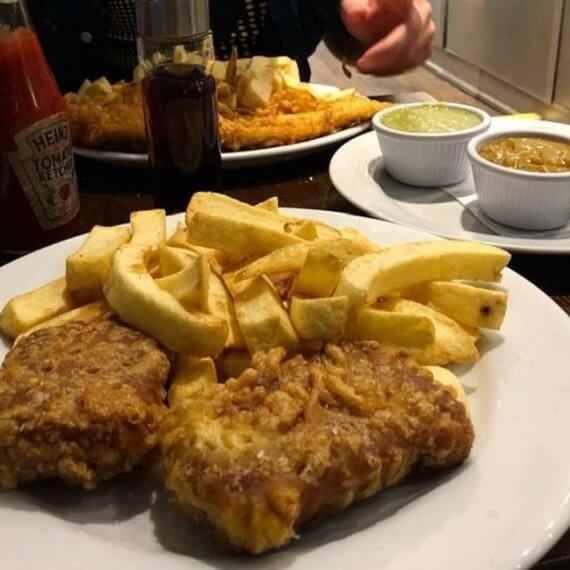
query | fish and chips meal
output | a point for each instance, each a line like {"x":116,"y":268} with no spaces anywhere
{"x":283,"y":367}
{"x":261,"y":103}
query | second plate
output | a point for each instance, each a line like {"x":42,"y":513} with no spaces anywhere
{"x":358,"y":174}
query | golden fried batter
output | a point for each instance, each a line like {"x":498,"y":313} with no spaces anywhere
{"x":292,"y":116}
{"x":81,"y":402}
{"x":257,"y":456}
{"x":114,"y":125}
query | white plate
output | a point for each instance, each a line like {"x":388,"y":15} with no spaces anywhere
{"x":243,"y":158}
{"x":357,"y":173}
{"x":502,"y":510}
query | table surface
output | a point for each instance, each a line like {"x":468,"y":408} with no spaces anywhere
{"x":109,"y":193}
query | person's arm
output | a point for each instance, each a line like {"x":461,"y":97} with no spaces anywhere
{"x":382,"y":37}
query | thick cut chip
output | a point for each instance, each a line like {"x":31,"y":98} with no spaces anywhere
{"x":324,"y":231}
{"x":271,"y":205}
{"x":286,"y":259}
{"x":189,"y":375}
{"x":305,"y":229}
{"x":263,"y":319}
{"x":292,"y":258}
{"x":85,"y":313}
{"x":451,"y":345}
{"x":357,"y":236}
{"x":469,"y":305}
{"x":320,"y":273}
{"x":222,"y":223}
{"x":180,"y":239}
{"x":319,"y":319}
{"x":220,"y":304}
{"x":136,"y":298}
{"x":406,"y":330}
{"x":174,"y":259}
{"x":139,"y":301}
{"x":87,"y":268}
{"x":149,"y":232}
{"x":30,"y":309}
{"x":371,"y":276}
{"x":190,"y":285}
{"x":237,"y":234}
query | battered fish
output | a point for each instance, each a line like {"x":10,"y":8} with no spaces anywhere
{"x":115,"y":125}
{"x":80,"y":402}
{"x":254,"y":458}
{"x":292,"y":116}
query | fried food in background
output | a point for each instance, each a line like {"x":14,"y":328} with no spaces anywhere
{"x":294,"y":115}
{"x":291,"y":439}
{"x":261,"y":103}
{"x":112,"y":119}
{"x":80,"y":402}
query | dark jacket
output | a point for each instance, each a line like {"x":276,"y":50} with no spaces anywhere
{"x":74,"y":37}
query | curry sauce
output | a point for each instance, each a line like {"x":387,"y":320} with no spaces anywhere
{"x":533,"y":154}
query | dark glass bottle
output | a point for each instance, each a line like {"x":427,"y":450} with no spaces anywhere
{"x":176,"y":52}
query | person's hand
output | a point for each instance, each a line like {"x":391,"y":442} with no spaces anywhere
{"x":397,"y":34}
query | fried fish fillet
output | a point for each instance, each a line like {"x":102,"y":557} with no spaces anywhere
{"x":114,"y":125}
{"x":81,"y":402}
{"x":254,"y":458}
{"x":292,"y":116}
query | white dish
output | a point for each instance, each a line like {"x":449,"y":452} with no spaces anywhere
{"x":503,"y":509}
{"x":357,"y":172}
{"x":518,"y":198}
{"x":427,"y":159}
{"x":242,"y":158}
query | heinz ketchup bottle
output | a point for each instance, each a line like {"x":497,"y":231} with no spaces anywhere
{"x":39,"y":202}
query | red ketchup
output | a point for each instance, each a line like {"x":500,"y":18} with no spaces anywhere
{"x":38,"y":190}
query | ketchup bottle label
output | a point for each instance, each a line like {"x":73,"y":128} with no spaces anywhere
{"x":43,"y":163}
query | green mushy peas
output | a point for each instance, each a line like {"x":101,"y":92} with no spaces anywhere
{"x":431,"y":118}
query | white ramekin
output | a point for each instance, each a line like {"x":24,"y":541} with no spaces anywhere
{"x":422,"y":159}
{"x":518,"y":198}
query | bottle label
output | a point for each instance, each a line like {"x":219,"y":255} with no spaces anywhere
{"x":43,"y":163}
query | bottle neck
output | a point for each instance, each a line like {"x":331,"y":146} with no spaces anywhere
{"x":13,"y":15}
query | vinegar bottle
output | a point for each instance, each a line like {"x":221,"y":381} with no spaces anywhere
{"x":39,"y":202}
{"x":176,"y":51}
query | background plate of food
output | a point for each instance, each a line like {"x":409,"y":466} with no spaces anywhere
{"x":265,"y":115}
{"x":501,"y":508}
{"x":239,"y":158}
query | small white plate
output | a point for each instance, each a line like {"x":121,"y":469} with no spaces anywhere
{"x":502,"y":510}
{"x":357,"y":173}
{"x":243,"y":158}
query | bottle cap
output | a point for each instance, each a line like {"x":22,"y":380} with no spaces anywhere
{"x":172,"y":18}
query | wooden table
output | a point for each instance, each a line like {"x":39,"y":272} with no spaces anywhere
{"x":108,"y":194}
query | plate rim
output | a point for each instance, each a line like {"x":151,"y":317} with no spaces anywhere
{"x":336,"y":166}
{"x":541,"y":542}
